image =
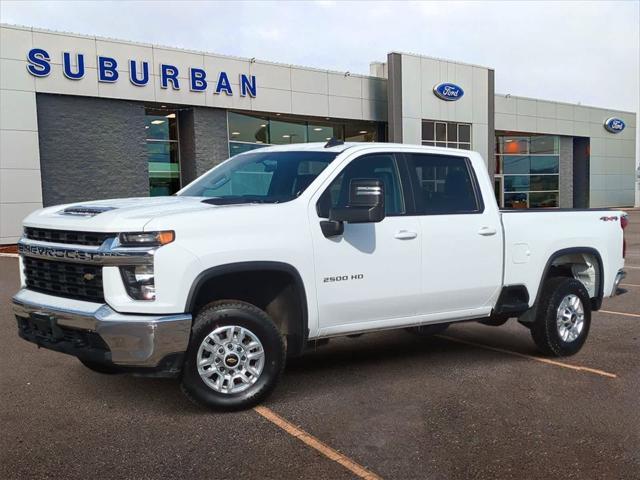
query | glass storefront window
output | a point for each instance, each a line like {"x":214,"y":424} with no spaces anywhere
{"x":163,"y":153}
{"x":248,"y":132}
{"x":321,"y":132}
{"x":287,"y":132}
{"x":247,"y":128}
{"x":528,"y":165}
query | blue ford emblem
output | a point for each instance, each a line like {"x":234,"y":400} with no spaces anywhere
{"x":448,"y":91}
{"x":614,"y":125}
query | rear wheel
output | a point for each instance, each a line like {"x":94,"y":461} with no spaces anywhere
{"x":235,"y":358}
{"x":563,"y":317}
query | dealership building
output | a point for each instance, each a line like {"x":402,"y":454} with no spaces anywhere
{"x":85,"y":118}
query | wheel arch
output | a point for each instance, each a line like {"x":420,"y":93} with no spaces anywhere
{"x":288,"y":305}
{"x":552,"y":266}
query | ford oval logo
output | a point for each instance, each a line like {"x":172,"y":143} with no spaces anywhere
{"x":448,"y":91}
{"x":614,"y":125}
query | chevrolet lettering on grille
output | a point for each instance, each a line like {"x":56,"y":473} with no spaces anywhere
{"x":100,"y":257}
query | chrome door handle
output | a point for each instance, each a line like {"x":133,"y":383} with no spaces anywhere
{"x":486,"y":231}
{"x":405,"y":235}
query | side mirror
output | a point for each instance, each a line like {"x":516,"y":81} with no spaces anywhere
{"x":366,"y":203}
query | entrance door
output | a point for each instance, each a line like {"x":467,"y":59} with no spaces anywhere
{"x":369,"y":277}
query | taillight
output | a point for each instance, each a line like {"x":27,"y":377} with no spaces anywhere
{"x":624,"y":221}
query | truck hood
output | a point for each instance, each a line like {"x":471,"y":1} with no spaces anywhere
{"x":116,"y":215}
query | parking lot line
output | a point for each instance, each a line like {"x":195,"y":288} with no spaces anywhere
{"x":620,"y":313}
{"x":316,"y":444}
{"x":629,"y":285}
{"x":531,"y":357}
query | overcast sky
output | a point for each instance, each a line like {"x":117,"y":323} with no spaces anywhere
{"x":586,"y":52}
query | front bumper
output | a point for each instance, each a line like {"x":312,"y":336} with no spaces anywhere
{"x":98,"y":333}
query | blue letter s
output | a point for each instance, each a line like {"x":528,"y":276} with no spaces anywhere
{"x":38,"y":65}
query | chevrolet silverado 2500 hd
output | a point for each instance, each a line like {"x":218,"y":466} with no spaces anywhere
{"x":279,"y":247}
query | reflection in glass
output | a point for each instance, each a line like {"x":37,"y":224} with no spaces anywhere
{"x":516,"y":183}
{"x":515,"y":164}
{"x":545,"y":164}
{"x":317,"y":132}
{"x":161,"y":130}
{"x":235,"y":148}
{"x":427,"y":131}
{"x":247,"y":128}
{"x":464,"y":133}
{"x":543,"y":199}
{"x":515,"y":200}
{"x":544,"y":144}
{"x":285,"y":133}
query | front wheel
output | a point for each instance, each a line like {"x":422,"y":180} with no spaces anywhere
{"x":235,"y":357}
{"x":563,"y":317}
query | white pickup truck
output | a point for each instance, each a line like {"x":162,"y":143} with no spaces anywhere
{"x":278,"y":248}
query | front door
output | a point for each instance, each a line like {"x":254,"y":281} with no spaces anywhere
{"x":369,"y":277}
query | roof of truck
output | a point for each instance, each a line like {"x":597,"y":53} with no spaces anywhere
{"x":320,"y":147}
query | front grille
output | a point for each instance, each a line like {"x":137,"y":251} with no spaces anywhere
{"x":64,"y":236}
{"x":63,"y":279}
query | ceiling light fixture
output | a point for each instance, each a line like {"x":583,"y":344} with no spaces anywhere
{"x":235,"y":133}
{"x":362,"y":132}
{"x":286,"y":136}
{"x":317,"y":129}
{"x":171,"y":115}
{"x":157,"y":122}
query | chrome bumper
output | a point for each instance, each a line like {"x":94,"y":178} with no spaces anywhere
{"x":134,"y":340}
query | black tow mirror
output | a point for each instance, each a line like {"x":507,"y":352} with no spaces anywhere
{"x":366,"y":203}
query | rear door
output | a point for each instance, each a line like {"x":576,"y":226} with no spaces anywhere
{"x":461,"y":244}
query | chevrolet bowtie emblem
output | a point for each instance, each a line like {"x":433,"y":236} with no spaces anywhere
{"x":88,"y":276}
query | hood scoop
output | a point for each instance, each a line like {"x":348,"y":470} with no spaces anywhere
{"x":85,"y":211}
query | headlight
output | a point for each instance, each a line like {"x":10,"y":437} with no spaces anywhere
{"x":146,"y":239}
{"x":139,"y":281}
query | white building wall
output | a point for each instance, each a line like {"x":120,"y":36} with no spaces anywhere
{"x":20,"y":187}
{"x":420,"y":74}
{"x":612,"y":155}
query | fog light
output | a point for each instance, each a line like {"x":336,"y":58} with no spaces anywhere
{"x":139,"y":281}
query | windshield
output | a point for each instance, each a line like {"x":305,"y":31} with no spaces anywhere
{"x":260,"y":177}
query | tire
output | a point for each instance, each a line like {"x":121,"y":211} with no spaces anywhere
{"x":253,"y":378}
{"x":556,"y":334}
{"x":100,"y":367}
{"x":428,"y":330}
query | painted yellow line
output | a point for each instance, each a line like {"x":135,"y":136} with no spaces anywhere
{"x":316,"y":444}
{"x":621,"y":313}
{"x":548,"y":361}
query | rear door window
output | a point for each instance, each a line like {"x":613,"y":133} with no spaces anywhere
{"x":443,"y":184}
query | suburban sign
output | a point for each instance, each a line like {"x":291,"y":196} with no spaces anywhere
{"x":614,"y":125}
{"x":448,"y":91}
{"x":73,"y":68}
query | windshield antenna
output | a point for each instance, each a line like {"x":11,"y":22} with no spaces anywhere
{"x":333,"y":142}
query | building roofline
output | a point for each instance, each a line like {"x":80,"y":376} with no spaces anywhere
{"x":186,"y":50}
{"x":440,"y":59}
{"x":509,"y":95}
